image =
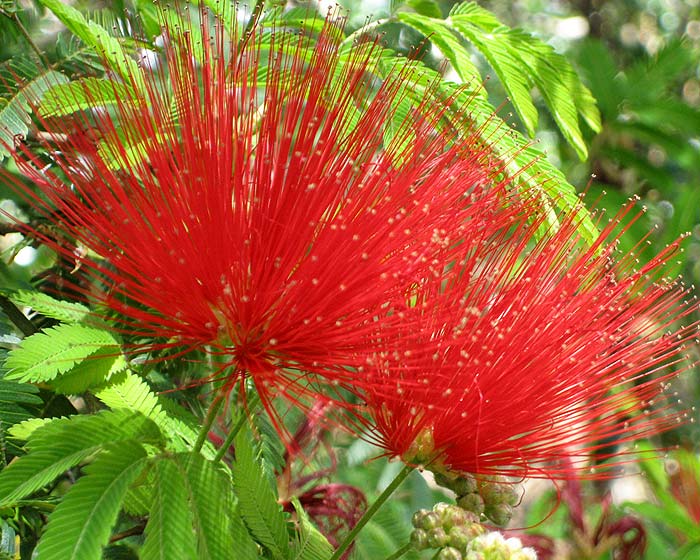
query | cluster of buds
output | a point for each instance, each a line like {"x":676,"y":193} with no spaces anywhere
{"x":459,"y":535}
{"x":449,"y":528}
{"x":493,"y":496}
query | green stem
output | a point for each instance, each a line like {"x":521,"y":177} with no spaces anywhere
{"x":246,"y":413}
{"x":208,"y":421}
{"x":400,"y":552}
{"x":383,"y":497}
{"x":229,"y":438}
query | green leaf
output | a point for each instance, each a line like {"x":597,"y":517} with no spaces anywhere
{"x":23,"y":85}
{"x":98,"y":38}
{"x":14,"y":399}
{"x":64,"y":311}
{"x":256,"y":499}
{"x":81,"y":524}
{"x":449,"y":44}
{"x":45,"y":355}
{"x":169,"y":531}
{"x":493,"y":44}
{"x":127,"y":391}
{"x":310,"y":543}
{"x":63,"y":443}
{"x":208,"y":491}
{"x":428,"y":8}
{"x":90,"y":373}
{"x":521,"y":61}
{"x":88,"y":93}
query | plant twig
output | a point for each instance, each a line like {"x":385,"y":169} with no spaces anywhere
{"x":400,"y":552}
{"x":208,"y":421}
{"x":371,"y":510}
{"x":18,"y":318}
{"x":135,"y":530}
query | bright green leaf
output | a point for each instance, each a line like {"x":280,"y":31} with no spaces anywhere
{"x":45,"y":355}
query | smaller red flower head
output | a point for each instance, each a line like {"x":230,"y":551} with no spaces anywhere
{"x":246,"y":196}
{"x":527,"y":355}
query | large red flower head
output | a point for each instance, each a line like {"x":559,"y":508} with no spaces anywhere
{"x":246,"y":195}
{"x":529,"y":355}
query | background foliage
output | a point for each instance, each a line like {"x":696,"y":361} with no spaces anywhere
{"x":101,"y":459}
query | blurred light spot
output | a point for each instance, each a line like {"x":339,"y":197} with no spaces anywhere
{"x":25,"y":256}
{"x":629,"y":34}
{"x":572,"y":28}
{"x":693,"y":29}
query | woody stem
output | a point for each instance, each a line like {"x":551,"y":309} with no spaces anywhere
{"x":371,"y":510}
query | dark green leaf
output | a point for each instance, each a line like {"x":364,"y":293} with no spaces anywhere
{"x":169,"y":532}
{"x":81,"y":524}
{"x":63,"y":443}
{"x":310,"y":543}
{"x":256,"y":499}
{"x":211,"y":501}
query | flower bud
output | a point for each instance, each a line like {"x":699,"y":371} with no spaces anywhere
{"x":463,"y":485}
{"x":449,"y":553}
{"x":440,"y":508}
{"x":429,"y":520}
{"x":472,"y":502}
{"x":437,"y":537}
{"x":500,"y":514}
{"x":454,"y":516}
{"x":417,"y":518}
{"x":419,"y":539}
{"x":459,"y":537}
{"x":500,"y":493}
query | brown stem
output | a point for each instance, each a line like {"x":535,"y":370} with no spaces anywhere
{"x":135,"y":530}
{"x":18,"y":318}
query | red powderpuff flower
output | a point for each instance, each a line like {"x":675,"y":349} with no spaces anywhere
{"x":245,"y":197}
{"x":554,"y":352}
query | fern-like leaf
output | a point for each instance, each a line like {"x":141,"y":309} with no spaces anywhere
{"x":14,"y":400}
{"x":83,"y":94}
{"x":98,"y":38}
{"x":22,"y":85}
{"x":310,"y":543}
{"x":63,"y":443}
{"x":445,"y":39}
{"x":81,"y":524}
{"x":211,"y":502}
{"x":169,"y":532}
{"x":127,"y":391}
{"x":45,"y":355}
{"x":256,"y":499}
{"x":64,"y":311}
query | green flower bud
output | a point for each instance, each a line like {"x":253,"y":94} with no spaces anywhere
{"x":419,"y":539}
{"x":444,"y":480}
{"x":465,"y":484}
{"x":453,"y":516}
{"x":500,"y":514}
{"x":440,"y":508}
{"x":430,"y":520}
{"x":472,"y":502}
{"x":459,"y":537}
{"x":417,"y":518}
{"x":500,"y":493}
{"x":437,"y":537}
{"x":449,"y":553}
